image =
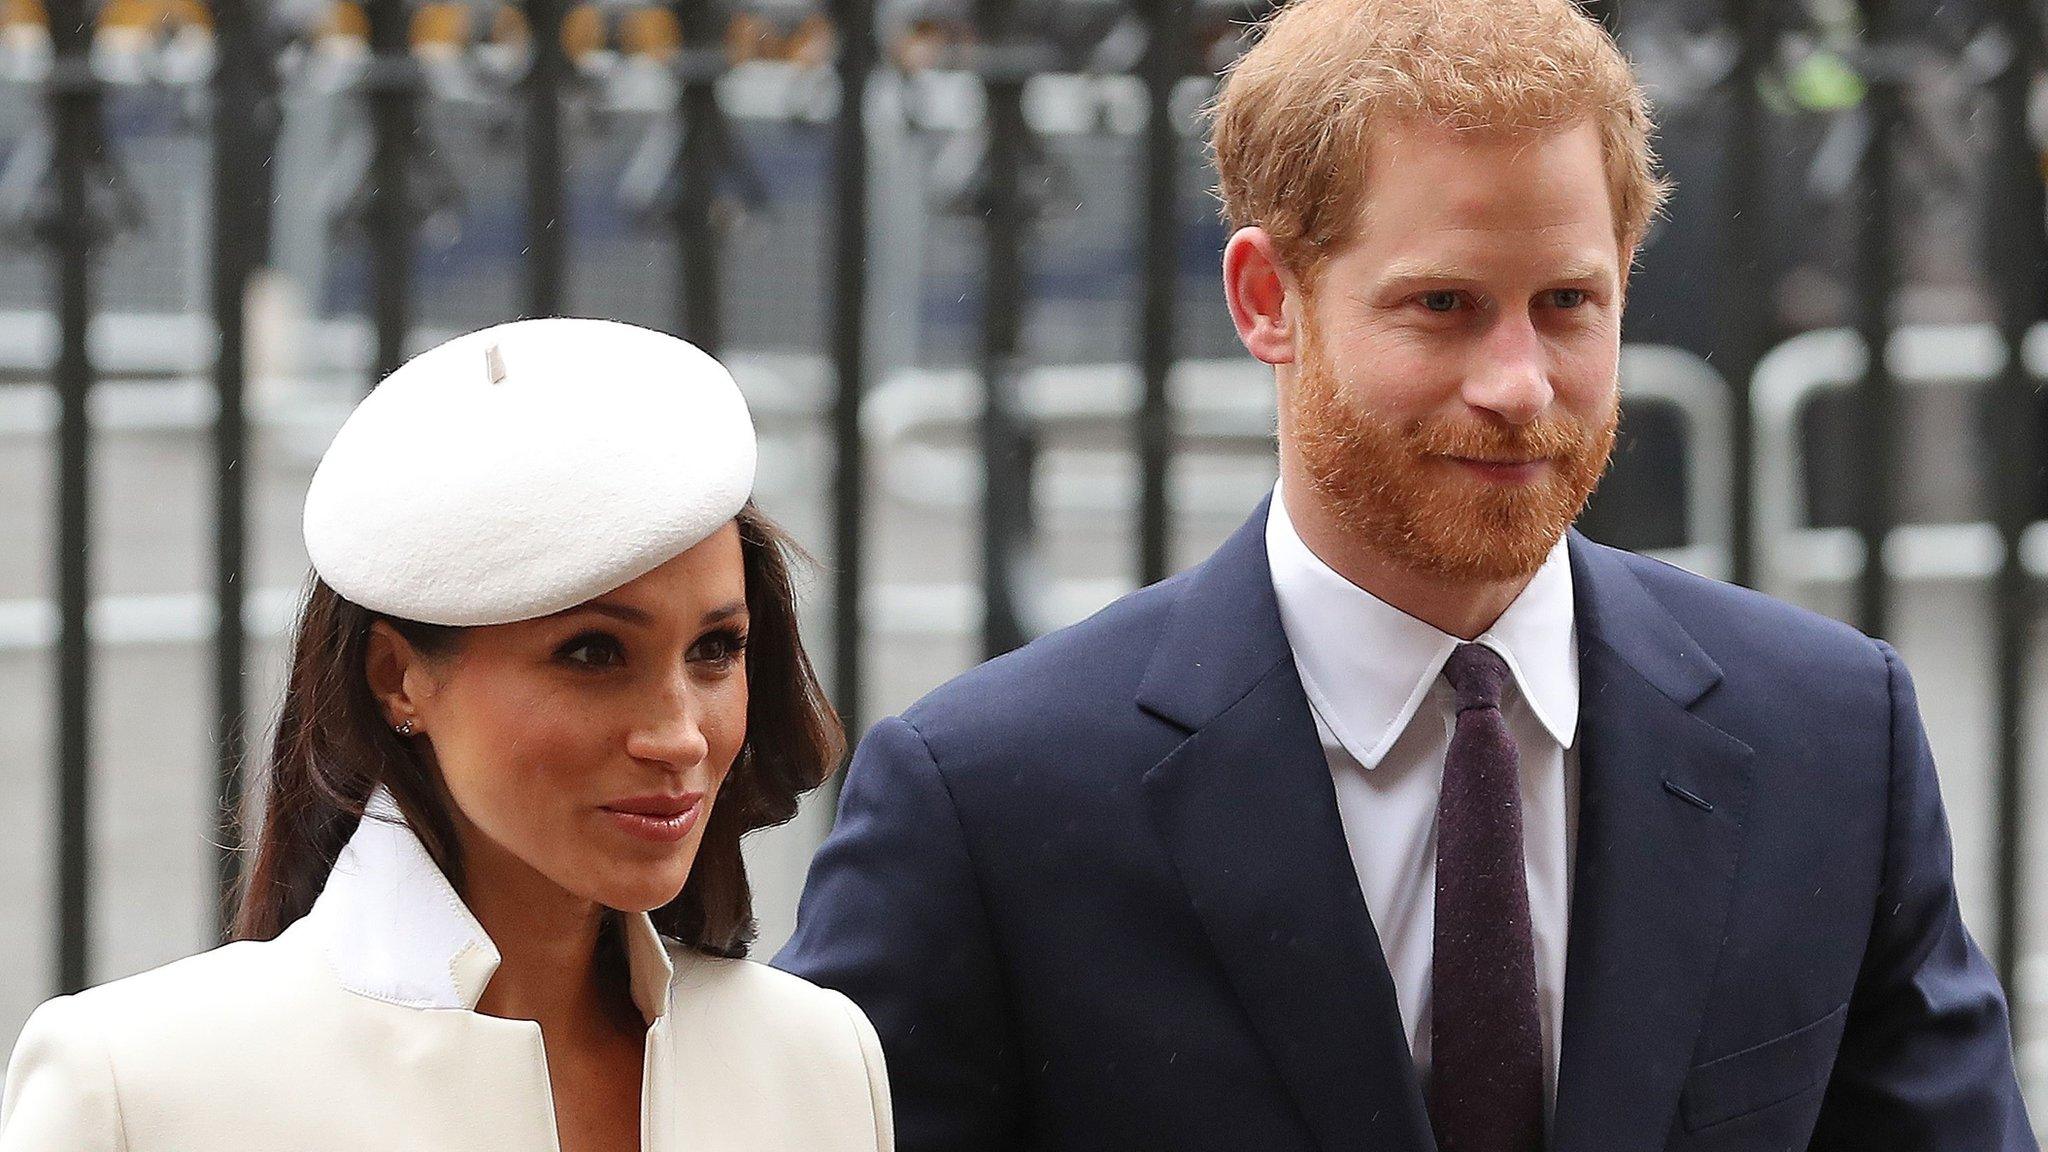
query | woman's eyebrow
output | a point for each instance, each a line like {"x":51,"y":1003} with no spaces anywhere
{"x":616,"y":611}
{"x":724,"y":612}
{"x":632,"y":615}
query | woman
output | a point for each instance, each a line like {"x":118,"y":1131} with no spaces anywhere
{"x":547,"y":676}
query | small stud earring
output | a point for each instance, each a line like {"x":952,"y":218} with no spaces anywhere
{"x":404,"y":728}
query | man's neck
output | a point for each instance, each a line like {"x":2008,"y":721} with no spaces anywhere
{"x":1460,"y":608}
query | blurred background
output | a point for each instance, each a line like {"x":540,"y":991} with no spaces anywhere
{"x":962,"y":257}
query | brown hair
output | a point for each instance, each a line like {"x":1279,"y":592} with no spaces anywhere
{"x":1299,"y":110}
{"x":333,"y":749}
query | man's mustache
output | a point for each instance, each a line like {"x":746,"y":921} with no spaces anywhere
{"x":1546,"y":438}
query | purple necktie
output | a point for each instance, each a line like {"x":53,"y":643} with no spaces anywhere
{"x":1486,"y":1063}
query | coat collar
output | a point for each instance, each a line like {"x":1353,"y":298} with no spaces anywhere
{"x":395,"y":929}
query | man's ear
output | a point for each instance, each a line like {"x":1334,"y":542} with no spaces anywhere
{"x":1257,"y":287}
{"x":395,"y":670}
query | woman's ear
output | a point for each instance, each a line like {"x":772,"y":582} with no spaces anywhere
{"x":394,"y":667}
{"x":1257,"y":288}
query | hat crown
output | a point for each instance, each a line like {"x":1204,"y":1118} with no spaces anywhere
{"x":525,"y":468}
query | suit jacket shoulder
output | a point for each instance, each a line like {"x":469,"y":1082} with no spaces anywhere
{"x":1748,"y":630}
{"x":1813,"y":696}
{"x":1064,"y":687}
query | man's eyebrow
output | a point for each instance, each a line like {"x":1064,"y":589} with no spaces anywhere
{"x":1416,"y":271}
{"x":1407,"y":271}
{"x":1587,"y":270}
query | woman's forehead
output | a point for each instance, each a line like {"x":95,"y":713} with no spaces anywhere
{"x":706,"y":580}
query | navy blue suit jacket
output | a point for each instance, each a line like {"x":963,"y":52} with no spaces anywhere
{"x":1095,"y":894}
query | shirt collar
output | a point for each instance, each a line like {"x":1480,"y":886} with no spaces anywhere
{"x":397,"y":931}
{"x":1367,"y":666}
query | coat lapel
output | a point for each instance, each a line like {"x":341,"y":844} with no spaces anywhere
{"x":1248,"y":814}
{"x":1662,"y":799}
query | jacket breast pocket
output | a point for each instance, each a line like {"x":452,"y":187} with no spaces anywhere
{"x":1758,"y":1077}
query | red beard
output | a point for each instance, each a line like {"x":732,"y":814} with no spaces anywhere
{"x":1393,"y":487}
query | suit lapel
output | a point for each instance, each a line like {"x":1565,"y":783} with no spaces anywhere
{"x":1663,"y":795}
{"x":1248,"y":814}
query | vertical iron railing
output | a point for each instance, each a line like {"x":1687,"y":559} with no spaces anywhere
{"x":1005,"y":61}
{"x":2016,"y":255}
{"x":547,"y":221}
{"x":700,"y":317}
{"x":78,"y":140}
{"x":1165,"y":63}
{"x":1877,"y":283}
{"x":392,"y":85}
{"x":238,"y":147}
{"x":1742,"y":309}
{"x":855,"y":21}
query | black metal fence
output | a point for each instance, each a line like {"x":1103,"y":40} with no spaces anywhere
{"x":1721,"y":257}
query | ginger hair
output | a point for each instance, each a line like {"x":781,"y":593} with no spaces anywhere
{"x":1299,"y":110}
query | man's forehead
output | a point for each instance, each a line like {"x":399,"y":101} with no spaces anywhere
{"x":1434,"y":195}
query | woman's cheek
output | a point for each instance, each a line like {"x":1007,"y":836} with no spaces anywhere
{"x":556,"y":732}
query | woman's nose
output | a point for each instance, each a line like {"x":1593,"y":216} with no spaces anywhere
{"x":669,"y":731}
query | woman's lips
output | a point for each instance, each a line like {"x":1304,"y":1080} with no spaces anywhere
{"x":664,"y":819}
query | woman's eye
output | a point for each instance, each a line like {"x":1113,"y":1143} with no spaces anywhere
{"x":1440,"y":301}
{"x":593,"y":651}
{"x":720,"y":648}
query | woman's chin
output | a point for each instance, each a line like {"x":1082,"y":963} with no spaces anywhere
{"x":633,"y":889}
{"x":645,"y":899}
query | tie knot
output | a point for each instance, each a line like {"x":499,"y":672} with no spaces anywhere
{"x":1477,"y":674}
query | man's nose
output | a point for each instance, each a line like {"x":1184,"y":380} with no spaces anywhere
{"x":1512,"y":375}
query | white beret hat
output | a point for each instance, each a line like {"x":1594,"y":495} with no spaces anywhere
{"x":526,"y":468}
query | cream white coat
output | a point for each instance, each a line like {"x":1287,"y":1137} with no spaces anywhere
{"x":356,"y":1029}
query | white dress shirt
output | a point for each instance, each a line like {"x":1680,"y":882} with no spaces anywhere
{"x":1374,"y":679}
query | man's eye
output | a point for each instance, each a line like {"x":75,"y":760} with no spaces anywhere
{"x":1569,"y":297}
{"x":1440,"y":301}
{"x":593,"y":651}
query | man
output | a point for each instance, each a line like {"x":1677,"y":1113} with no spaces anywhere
{"x":1408,"y":820}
